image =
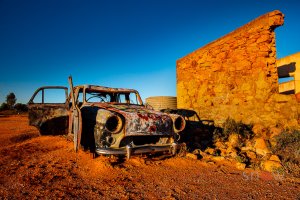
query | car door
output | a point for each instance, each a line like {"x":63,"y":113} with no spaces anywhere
{"x":75,"y":122}
{"x":48,"y":110}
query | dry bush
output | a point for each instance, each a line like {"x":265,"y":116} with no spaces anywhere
{"x":288,"y":149}
{"x":230,"y":127}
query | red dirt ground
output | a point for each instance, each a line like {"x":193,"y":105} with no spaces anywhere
{"x":34,"y":166}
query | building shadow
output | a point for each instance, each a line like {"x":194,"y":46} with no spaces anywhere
{"x":198,"y":134}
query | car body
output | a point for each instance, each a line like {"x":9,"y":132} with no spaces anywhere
{"x":110,"y":121}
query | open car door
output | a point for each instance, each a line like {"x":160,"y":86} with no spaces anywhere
{"x":75,"y":123}
{"x":48,"y":110}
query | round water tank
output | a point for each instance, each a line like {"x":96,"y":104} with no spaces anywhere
{"x":162,"y":102}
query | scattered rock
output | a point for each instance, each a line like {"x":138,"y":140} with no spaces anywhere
{"x":210,"y":162}
{"x":234,"y":140}
{"x":210,"y":151}
{"x":249,"y":145}
{"x":260,"y":146}
{"x":218,"y":158}
{"x":223,"y":152}
{"x":220,"y":145}
{"x":240,"y":166}
{"x":204,"y":155}
{"x":275,"y":158}
{"x":251,"y":155}
{"x":197,"y":152}
{"x":271,"y":165}
{"x":192,"y":156}
{"x":246,"y":148}
{"x":233,"y":154}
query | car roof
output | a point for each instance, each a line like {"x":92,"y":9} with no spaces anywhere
{"x":103,"y":88}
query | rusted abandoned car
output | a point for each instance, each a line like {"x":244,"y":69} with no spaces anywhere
{"x":110,"y":121}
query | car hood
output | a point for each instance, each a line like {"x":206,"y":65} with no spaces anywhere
{"x":142,"y":121}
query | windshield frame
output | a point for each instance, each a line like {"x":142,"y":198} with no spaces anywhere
{"x":113,"y":96}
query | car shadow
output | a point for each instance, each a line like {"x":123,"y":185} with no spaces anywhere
{"x":197,"y":134}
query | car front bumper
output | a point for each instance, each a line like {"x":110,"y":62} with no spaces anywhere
{"x":131,"y":150}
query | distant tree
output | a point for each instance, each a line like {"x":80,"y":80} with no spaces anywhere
{"x":11,"y":100}
{"x":4,"y":106}
{"x":21,"y":107}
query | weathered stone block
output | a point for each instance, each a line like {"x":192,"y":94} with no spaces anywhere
{"x":271,"y":166}
{"x":261,"y":146}
{"x":264,"y":38}
{"x":240,"y":166}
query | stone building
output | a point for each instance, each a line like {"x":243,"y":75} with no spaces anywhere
{"x":236,"y":76}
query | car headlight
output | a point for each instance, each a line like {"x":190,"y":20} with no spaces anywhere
{"x":178,"y":122}
{"x":114,"y":124}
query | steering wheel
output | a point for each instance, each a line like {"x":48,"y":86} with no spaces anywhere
{"x":102,"y":99}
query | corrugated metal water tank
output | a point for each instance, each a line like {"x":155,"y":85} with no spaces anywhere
{"x":162,"y":102}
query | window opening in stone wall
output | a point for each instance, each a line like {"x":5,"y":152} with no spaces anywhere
{"x":286,"y":73}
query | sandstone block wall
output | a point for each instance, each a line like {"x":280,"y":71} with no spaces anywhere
{"x":236,"y":76}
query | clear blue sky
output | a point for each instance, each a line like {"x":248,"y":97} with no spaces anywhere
{"x":120,"y":43}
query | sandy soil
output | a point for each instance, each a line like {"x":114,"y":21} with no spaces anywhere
{"x":34,"y":166}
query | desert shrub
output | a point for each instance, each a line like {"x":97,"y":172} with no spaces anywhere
{"x":11,"y":100}
{"x":288,"y":149}
{"x":240,"y":159}
{"x":4,"y":106}
{"x":21,"y":107}
{"x":230,"y":126}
